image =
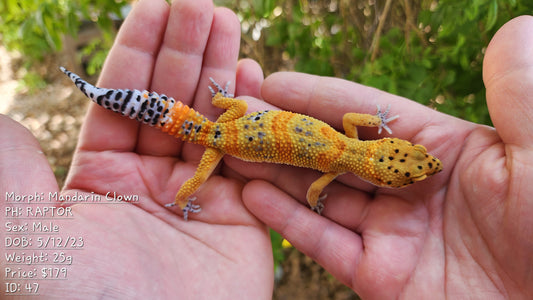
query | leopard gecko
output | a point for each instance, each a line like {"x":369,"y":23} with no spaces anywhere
{"x":272,"y":136}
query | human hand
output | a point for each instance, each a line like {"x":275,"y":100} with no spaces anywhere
{"x":144,"y":250}
{"x":467,"y":231}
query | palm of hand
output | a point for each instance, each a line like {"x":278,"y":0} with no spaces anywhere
{"x":466,"y":231}
{"x":145,"y":250}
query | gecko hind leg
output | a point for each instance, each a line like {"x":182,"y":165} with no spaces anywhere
{"x":223,"y":91}
{"x":208,"y":163}
{"x":235,"y":108}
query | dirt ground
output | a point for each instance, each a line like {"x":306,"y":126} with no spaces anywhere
{"x":54,"y":115}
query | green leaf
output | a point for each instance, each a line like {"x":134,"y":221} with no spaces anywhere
{"x":492,"y":15}
{"x":277,"y":251}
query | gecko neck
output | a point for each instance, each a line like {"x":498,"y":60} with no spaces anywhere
{"x":358,"y":156}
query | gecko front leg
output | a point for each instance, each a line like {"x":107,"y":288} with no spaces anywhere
{"x":313,"y":193}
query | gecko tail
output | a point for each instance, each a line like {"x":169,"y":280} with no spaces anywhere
{"x":163,"y":112}
{"x":146,"y":107}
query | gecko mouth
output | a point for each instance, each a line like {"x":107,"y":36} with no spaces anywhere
{"x":421,"y":177}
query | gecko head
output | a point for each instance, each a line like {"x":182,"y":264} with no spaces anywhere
{"x":398,"y":163}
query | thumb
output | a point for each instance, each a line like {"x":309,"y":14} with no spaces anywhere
{"x":508,"y":77}
{"x":24,"y":169}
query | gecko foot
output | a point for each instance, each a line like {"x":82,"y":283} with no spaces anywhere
{"x":223,"y":91}
{"x":190,"y":207}
{"x":194,"y":208}
{"x":384,"y":119}
{"x":319,"y":204}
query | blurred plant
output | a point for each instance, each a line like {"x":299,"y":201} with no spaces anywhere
{"x":426,"y":50}
{"x":35,"y":28}
{"x":277,"y":249}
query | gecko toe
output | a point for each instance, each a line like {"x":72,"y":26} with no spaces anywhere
{"x":224,"y":91}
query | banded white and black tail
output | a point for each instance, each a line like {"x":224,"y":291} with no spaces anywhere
{"x":146,"y":107}
{"x":171,"y":116}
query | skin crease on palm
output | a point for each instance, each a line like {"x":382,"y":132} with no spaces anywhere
{"x":465,"y":232}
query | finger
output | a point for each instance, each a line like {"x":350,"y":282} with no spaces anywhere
{"x":332,"y":246}
{"x":342,"y":204}
{"x":178,"y":67}
{"x":508,"y":76}
{"x":292,"y":180}
{"x":220,"y":61}
{"x":180,"y":59}
{"x":329,"y":98}
{"x":129,"y":65}
{"x":296,"y":180}
{"x":249,"y":78}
